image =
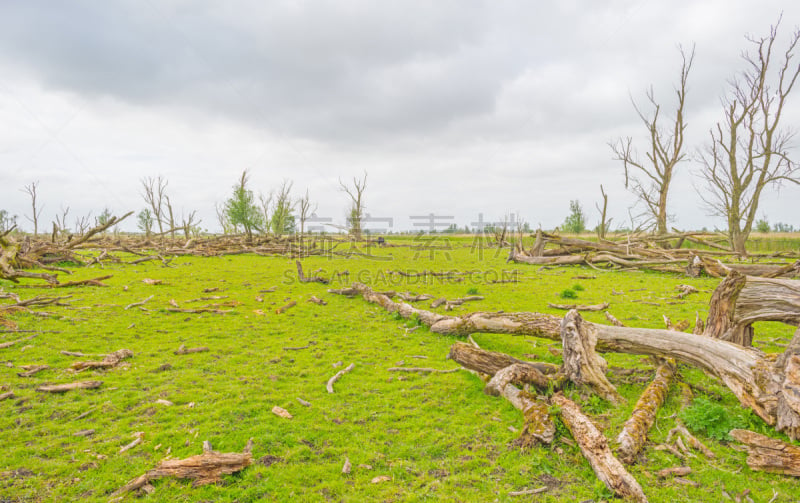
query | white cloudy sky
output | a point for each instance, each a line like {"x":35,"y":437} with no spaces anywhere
{"x":452,"y":107}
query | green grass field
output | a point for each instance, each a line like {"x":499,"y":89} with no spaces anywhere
{"x":436,"y":437}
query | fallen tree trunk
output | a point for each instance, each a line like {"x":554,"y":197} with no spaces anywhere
{"x":538,"y":427}
{"x":770,"y":389}
{"x":634,"y":432}
{"x":110,"y":361}
{"x":205,"y":468}
{"x":61,"y":388}
{"x":491,"y":362}
{"x":582,"y":365}
{"x":769,"y":454}
{"x":739,"y":301}
{"x":594,"y":446}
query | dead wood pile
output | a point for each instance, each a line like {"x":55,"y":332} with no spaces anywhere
{"x":649,"y":252}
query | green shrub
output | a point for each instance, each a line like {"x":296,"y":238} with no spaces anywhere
{"x":568,"y":294}
{"x":711,"y":419}
{"x":577,"y":287}
{"x":473,"y":291}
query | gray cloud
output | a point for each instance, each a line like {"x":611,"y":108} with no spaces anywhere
{"x":507,"y":104}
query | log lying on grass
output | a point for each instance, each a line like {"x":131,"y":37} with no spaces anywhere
{"x":205,"y":468}
{"x":594,"y":446}
{"x":61,"y":388}
{"x":538,"y":428}
{"x":634,"y":432}
{"x":769,"y":454}
{"x":110,"y":361}
{"x":770,"y":388}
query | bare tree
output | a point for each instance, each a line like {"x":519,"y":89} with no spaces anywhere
{"x":36,"y":210}
{"x":155,"y":193}
{"x":189,"y":224}
{"x":747,"y":151}
{"x":60,"y":222}
{"x":171,"y":222}
{"x":82,"y":223}
{"x":266,"y":205}
{"x":605,"y":222}
{"x":356,"y":213}
{"x":305,"y":210}
{"x":650,"y":180}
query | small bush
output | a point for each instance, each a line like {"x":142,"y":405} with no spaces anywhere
{"x":568,"y":294}
{"x":472,"y":291}
{"x":711,"y":419}
{"x":577,"y":287}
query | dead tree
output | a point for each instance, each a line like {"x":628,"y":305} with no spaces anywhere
{"x":36,"y":211}
{"x":356,"y":213}
{"x":748,"y":152}
{"x":650,"y":181}
{"x":769,"y":388}
{"x":155,"y":193}
{"x":605,"y":223}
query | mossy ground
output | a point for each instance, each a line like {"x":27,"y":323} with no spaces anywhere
{"x":437,"y":437}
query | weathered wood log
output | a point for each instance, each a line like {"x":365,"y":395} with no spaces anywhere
{"x":183,"y":350}
{"x":634,"y":433}
{"x":769,"y":454}
{"x":285,"y":308}
{"x":31,"y":370}
{"x":61,"y":388}
{"x":492,"y":362}
{"x":739,"y":301}
{"x":205,"y":468}
{"x":11,"y":343}
{"x":582,"y":365}
{"x":337,"y":376}
{"x":305,"y":279}
{"x":111,"y":360}
{"x":770,"y":389}
{"x":579,"y":307}
{"x":594,"y":447}
{"x":539,"y":427}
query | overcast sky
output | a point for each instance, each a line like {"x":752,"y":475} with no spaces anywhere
{"x":452,"y":108}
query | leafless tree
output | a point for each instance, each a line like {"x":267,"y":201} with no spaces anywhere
{"x":305,"y":210}
{"x":36,"y":210}
{"x":61,"y":220}
{"x":82,"y":224}
{"x":189,"y":224}
{"x":266,"y":206}
{"x":650,"y":180}
{"x":605,"y":223}
{"x":171,"y":221}
{"x":155,"y":194}
{"x":356,"y":213}
{"x":748,"y":152}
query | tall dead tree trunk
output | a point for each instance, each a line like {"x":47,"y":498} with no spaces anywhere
{"x":650,"y":180}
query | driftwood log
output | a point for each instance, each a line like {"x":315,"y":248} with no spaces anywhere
{"x":769,"y":454}
{"x":739,"y":301}
{"x":634,"y":432}
{"x":594,"y":446}
{"x":110,"y":361}
{"x":205,"y":468}
{"x":61,"y":388}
